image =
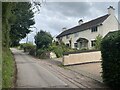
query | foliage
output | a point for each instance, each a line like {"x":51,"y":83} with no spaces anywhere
{"x":24,"y":19}
{"x":43,"y":40}
{"x":7,"y":69}
{"x":32,"y":51}
{"x":42,"y":53}
{"x":9,"y":18}
{"x":98,"y":42}
{"x":6,"y":15}
{"x":83,"y":49}
{"x":59,"y":49}
{"x":110,"y":49}
{"x":7,"y":58}
{"x":27,"y":46}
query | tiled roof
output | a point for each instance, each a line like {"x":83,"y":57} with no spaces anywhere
{"x":84,"y":26}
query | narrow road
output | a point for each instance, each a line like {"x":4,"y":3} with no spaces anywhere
{"x":36,"y":73}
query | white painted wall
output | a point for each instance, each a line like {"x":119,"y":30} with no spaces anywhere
{"x":110,"y":24}
{"x":87,"y":34}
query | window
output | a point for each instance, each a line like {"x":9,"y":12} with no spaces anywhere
{"x":76,"y":34}
{"x":67,"y":44}
{"x":67,"y":36}
{"x":93,"y":43}
{"x":94,"y":29}
{"x":75,"y":45}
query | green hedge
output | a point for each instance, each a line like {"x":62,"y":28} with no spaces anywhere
{"x":27,"y":47}
{"x":110,"y":49}
{"x":43,"y":53}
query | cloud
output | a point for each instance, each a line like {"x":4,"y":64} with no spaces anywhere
{"x":69,"y":9}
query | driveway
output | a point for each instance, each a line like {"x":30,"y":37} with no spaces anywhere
{"x":36,"y":73}
{"x":91,"y":70}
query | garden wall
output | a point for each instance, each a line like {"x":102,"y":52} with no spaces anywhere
{"x":81,"y":57}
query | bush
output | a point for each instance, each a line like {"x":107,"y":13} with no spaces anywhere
{"x":57,"y":49}
{"x":43,"y":54}
{"x":32,"y":51}
{"x":98,"y":42}
{"x":110,"y":49}
{"x":83,"y":49}
{"x":27,"y":47}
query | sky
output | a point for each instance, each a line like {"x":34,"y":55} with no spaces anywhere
{"x":54,"y":16}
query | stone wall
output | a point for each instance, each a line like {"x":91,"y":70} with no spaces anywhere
{"x":82,"y":57}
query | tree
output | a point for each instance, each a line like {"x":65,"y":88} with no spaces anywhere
{"x":43,"y":39}
{"x":7,"y":59}
{"x":24,"y":20}
{"x":6,"y":22}
{"x":98,"y":42}
{"x":8,"y":19}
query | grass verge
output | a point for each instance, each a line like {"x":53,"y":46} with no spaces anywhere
{"x":8,"y":69}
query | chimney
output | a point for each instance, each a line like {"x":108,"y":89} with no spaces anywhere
{"x":111,"y":10}
{"x":80,"y":22}
{"x":64,"y":28}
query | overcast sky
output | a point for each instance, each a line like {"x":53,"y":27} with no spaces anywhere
{"x":56,"y":15}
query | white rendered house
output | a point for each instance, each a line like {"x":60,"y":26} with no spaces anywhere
{"x":84,"y":34}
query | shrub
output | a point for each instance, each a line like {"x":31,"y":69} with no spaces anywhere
{"x":83,"y":49}
{"x":58,"y":50}
{"x":27,"y":46}
{"x":110,"y":49}
{"x":98,"y":42}
{"x":43,"y":53}
{"x":32,"y":51}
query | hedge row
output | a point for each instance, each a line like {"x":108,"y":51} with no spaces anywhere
{"x":110,"y":49}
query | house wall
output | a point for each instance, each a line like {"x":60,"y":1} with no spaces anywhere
{"x":87,"y":34}
{"x":110,"y":24}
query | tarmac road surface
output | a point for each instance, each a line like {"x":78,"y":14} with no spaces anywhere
{"x":36,"y":73}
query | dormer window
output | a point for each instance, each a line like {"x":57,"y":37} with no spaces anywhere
{"x":94,"y":29}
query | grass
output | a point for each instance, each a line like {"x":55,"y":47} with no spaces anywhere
{"x":7,"y":69}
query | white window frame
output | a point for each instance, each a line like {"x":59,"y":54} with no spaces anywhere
{"x":94,"y":29}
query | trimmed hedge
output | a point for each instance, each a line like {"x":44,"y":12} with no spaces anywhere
{"x":110,"y":49}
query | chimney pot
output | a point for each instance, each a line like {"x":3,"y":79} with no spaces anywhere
{"x":64,"y":28}
{"x":111,"y":10}
{"x":80,"y":22}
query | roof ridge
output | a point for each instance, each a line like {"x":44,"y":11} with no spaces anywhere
{"x":95,"y":19}
{"x":84,"y":26}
